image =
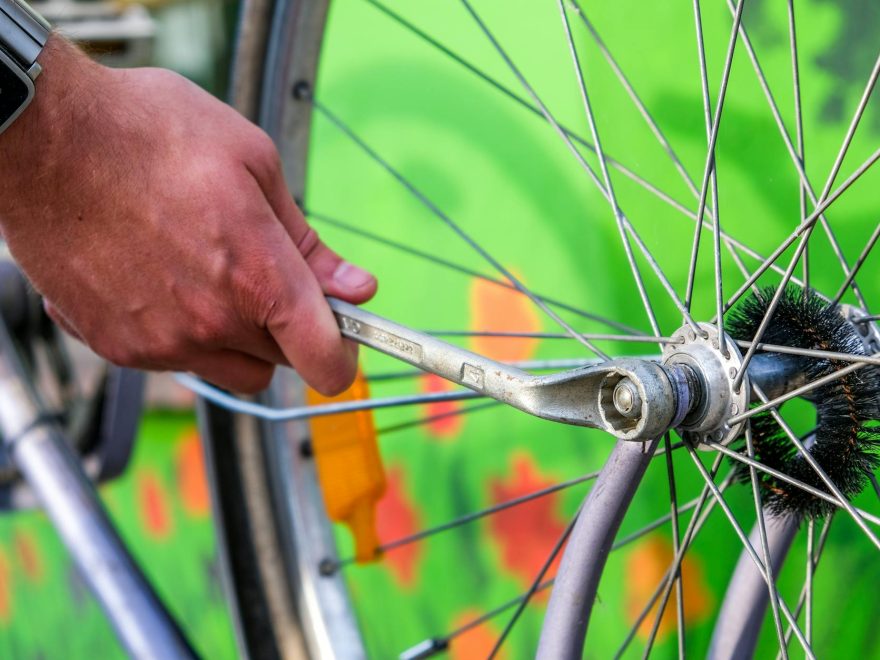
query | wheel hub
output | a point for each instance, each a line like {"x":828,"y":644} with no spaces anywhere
{"x":706,"y":367}
{"x":865,"y":327}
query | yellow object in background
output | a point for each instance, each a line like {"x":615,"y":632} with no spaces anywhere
{"x":350,"y":469}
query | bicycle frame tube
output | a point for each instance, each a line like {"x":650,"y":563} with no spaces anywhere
{"x":46,"y":461}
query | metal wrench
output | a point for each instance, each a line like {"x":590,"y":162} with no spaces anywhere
{"x":630,"y":398}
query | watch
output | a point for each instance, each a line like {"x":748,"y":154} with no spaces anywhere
{"x":23,"y":33}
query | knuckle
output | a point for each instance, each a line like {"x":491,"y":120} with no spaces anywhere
{"x":258,"y":294}
{"x":208,"y":331}
{"x":164,"y":351}
{"x":263,"y":150}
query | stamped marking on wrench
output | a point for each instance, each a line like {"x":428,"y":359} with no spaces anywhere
{"x":472,"y":376}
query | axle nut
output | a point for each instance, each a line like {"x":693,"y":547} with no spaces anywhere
{"x":627,"y":400}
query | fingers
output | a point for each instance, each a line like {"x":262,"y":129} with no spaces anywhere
{"x":336,"y":276}
{"x":306,"y":330}
{"x":232,"y":370}
{"x":259,"y":344}
{"x":60,"y":320}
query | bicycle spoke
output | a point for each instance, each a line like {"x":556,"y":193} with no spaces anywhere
{"x":655,"y":127}
{"x":430,"y":647}
{"x":765,"y":571}
{"x":857,"y":266}
{"x":502,"y":506}
{"x":636,"y":99}
{"x":727,"y":451}
{"x":733,"y":245}
{"x":451,"y":265}
{"x":713,"y":180}
{"x":676,"y":540}
{"x":652,"y":262}
{"x":675,"y":567}
{"x":799,"y":131}
{"x":804,"y":389}
{"x":874,"y":484}
{"x":449,"y":222}
{"x":609,"y":187}
{"x":535,"y":584}
{"x":703,"y":517}
{"x":806,"y":595}
{"x":771,"y":309}
{"x":811,"y":352}
{"x":746,"y":273}
{"x":473,"y":516}
{"x":803,"y":227}
{"x":793,"y":154}
{"x":808,"y":581}
{"x":574,"y":151}
{"x":730,"y":243}
{"x":553,"y":335}
{"x":765,"y":546}
{"x":630,"y":174}
{"x":841,"y":154}
{"x":430,"y":419}
{"x":710,"y":156}
{"x":434,"y":645}
{"x":662,"y":520}
{"x":808,"y":457}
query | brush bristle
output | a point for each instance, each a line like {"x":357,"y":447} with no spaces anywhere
{"x":846,"y":439}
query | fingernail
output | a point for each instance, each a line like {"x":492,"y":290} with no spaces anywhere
{"x":350,"y":276}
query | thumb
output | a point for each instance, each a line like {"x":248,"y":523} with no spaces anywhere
{"x":305,"y":329}
{"x":336,"y":276}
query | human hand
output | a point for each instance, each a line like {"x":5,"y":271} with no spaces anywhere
{"x":156,"y":222}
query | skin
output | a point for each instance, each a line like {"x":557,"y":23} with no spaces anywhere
{"x":156,"y":222}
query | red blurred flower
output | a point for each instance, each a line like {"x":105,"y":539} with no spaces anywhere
{"x":396,"y":517}
{"x":154,"y":505}
{"x":28,"y":555}
{"x":191,"y":479}
{"x":477,"y":642}
{"x":447,"y":424}
{"x":527,"y":532}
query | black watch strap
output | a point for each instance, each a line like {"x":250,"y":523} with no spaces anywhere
{"x":23,"y":33}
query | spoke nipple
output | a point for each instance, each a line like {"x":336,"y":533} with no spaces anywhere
{"x":425,"y":649}
{"x":328,"y":567}
{"x":627,"y":400}
{"x":302,"y":91}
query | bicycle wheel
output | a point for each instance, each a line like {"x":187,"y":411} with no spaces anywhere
{"x":398,"y":123}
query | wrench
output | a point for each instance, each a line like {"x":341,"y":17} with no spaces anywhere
{"x":630,"y":398}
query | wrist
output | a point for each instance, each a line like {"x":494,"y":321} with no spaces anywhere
{"x":65,"y":92}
